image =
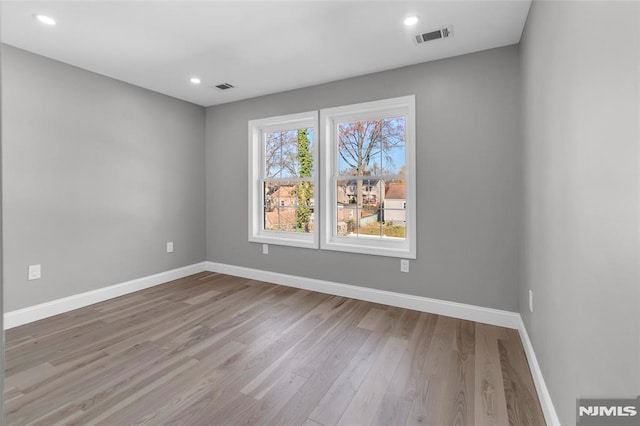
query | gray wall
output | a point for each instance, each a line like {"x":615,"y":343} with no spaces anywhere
{"x":580,"y":109}
{"x":98,"y":175}
{"x":469,"y":181}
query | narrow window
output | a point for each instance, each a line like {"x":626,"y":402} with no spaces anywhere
{"x":283,"y":180}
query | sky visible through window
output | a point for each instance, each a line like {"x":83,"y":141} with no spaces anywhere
{"x":283,"y":157}
{"x":288,"y":191}
{"x":374,"y":207}
{"x":372,"y":147}
{"x":366,"y":208}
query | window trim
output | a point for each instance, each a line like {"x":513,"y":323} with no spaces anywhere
{"x":257,"y":128}
{"x":329,"y":118}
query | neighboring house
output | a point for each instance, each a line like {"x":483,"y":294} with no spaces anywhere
{"x":348,"y":215}
{"x":280,"y":196}
{"x":281,"y":202}
{"x":280,"y":219}
{"x":283,"y":219}
{"x":395,"y":203}
{"x":346,"y":212}
{"x":342,"y":196}
{"x":371,"y":193}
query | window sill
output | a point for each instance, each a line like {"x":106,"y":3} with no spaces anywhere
{"x":385,"y":247}
{"x":285,"y":239}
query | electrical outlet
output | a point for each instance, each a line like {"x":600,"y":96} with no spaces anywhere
{"x":531,"y":300}
{"x":35,"y":272}
{"x":170,"y":247}
{"x":265,"y":249}
{"x":404,"y":265}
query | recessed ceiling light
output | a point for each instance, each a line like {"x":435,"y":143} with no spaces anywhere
{"x":45,"y":19}
{"x":195,"y":80}
{"x":411,"y":20}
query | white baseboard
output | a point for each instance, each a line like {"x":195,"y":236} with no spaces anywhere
{"x":417,"y":303}
{"x":548,"y":409}
{"x":59,"y":306}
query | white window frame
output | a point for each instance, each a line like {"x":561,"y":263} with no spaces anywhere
{"x":329,"y":120}
{"x":257,"y":129}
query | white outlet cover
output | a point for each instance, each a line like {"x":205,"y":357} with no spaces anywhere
{"x":404,"y":265}
{"x":35,"y":272}
{"x":265,"y":249}
{"x":170,"y":247}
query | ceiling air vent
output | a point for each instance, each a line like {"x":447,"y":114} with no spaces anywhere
{"x":224,"y":86}
{"x":435,"y":35}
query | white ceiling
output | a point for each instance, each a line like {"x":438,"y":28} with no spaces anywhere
{"x":260,"y":47}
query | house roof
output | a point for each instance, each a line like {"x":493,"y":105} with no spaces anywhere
{"x":282,"y":191}
{"x":396,"y":191}
{"x":287,"y":216}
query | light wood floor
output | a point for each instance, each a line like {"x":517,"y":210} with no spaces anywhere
{"x":213,"y":349}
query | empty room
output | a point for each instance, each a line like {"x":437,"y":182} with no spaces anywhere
{"x":320,"y":212}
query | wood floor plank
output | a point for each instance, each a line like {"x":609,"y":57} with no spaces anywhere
{"x":334,"y":403}
{"x":408,"y":382}
{"x":460,"y":382}
{"x":211,"y":349}
{"x":430,"y":405}
{"x":520,"y":393}
{"x":372,"y":319}
{"x":77,"y":384}
{"x":225,"y":396}
{"x":263,"y":410}
{"x":490,"y":401}
{"x":12,"y":393}
{"x":302,"y":404}
{"x":362,"y":407}
{"x":148,"y":402}
{"x":303,"y":358}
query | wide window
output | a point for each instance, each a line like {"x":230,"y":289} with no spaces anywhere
{"x":283,"y":180}
{"x":368,"y":191}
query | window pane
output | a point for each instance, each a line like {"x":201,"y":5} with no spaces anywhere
{"x":289,"y":153}
{"x":346,"y":209}
{"x":371,"y":147}
{"x":395,"y":222}
{"x":344,"y":193}
{"x":304,"y":192}
{"x":358,"y":205}
{"x":395,"y":196}
{"x":394,"y":214}
{"x":346,"y":219}
{"x":279,"y":194}
{"x":280,"y":219}
{"x":305,"y":220}
{"x":305,"y":156}
{"x":359,"y":147}
{"x":289,"y":206}
{"x":369,"y":222}
{"x":371,"y":191}
{"x":289,"y":219}
{"x":273,"y":154}
{"x":394,"y":146}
